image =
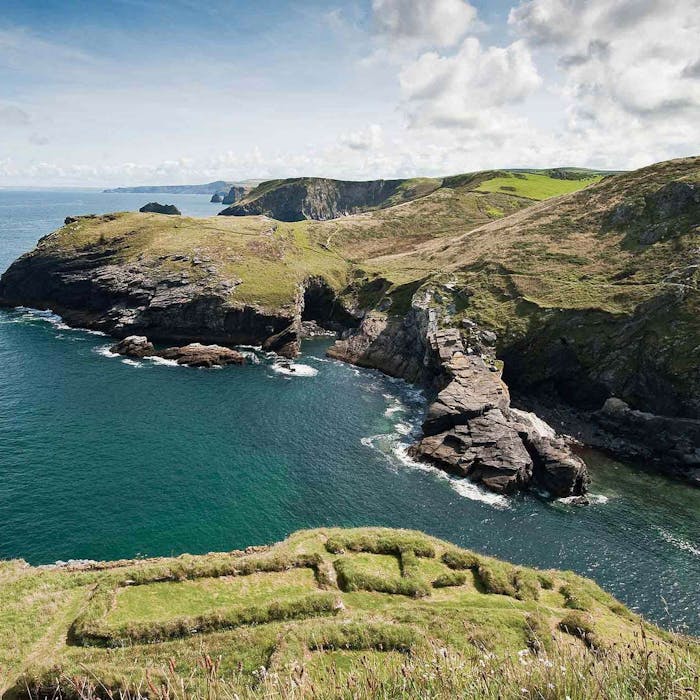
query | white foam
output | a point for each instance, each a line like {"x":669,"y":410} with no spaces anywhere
{"x":163,"y":361}
{"x":252,"y":357}
{"x":679,"y":542}
{"x":403,"y":428}
{"x":104,"y":350}
{"x":50,"y":317}
{"x":541,"y":428}
{"x":597,"y":498}
{"x":295,"y":370}
{"x":464,"y":487}
{"x":132,"y":363}
{"x":396,"y":408}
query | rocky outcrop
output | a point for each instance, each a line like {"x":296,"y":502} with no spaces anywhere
{"x":217,"y":198}
{"x":168,"y":302}
{"x":470,"y":430}
{"x":673,"y":443}
{"x":314,"y":198}
{"x":285,"y":343}
{"x":157,"y":208}
{"x":233,"y":195}
{"x":192,"y":355}
{"x":137,"y":346}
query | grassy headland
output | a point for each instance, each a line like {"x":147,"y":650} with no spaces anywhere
{"x":330,"y":613}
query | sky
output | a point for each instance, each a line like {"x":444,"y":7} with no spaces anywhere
{"x":127,"y":92}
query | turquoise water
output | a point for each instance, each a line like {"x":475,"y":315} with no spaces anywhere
{"x":101,"y":457}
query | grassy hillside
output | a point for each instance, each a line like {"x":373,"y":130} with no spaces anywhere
{"x":331,"y":613}
{"x":534,"y":185}
{"x":323,"y":199}
{"x":610,"y":267}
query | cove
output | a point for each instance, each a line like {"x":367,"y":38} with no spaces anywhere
{"x":102,"y":457}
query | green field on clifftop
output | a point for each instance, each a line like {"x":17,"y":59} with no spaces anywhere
{"x":330,"y":613}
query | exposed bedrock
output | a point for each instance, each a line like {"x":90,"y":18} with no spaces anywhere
{"x":89,"y":291}
{"x":673,"y":443}
{"x":469,"y":428}
{"x":192,"y":355}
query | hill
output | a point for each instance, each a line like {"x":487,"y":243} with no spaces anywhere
{"x":588,"y":298}
{"x":329,"y":613}
{"x":208,"y":188}
{"x":322,"y":199}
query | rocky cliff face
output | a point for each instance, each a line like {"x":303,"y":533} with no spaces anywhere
{"x":92,"y":290}
{"x":233,"y":195}
{"x":470,"y":428}
{"x":314,"y":198}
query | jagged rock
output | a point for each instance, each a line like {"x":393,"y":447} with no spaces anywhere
{"x":198,"y":355}
{"x":134,"y":346}
{"x":665,"y":438}
{"x":472,"y":392}
{"x":486,"y":448}
{"x":396,"y":346}
{"x":193,"y":355}
{"x":156,"y":208}
{"x":217,"y":198}
{"x":285,"y":343}
{"x":470,"y":430}
{"x":233,"y":195}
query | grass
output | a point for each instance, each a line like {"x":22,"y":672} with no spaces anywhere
{"x":533,"y":185}
{"x":409,"y":616}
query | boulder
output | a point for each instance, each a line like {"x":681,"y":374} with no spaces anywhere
{"x":193,"y":355}
{"x":198,"y":355}
{"x":134,"y":346}
{"x":470,"y":430}
{"x":156,"y":208}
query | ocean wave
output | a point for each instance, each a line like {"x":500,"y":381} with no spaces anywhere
{"x":464,"y":487}
{"x":396,"y":408}
{"x":403,"y":428}
{"x":678,"y":542}
{"x":294,"y":370}
{"x":132,"y":363}
{"x":30,"y":314}
{"x":397,"y":455}
{"x":105,"y":351}
{"x":250,"y":356}
{"x":163,"y":361}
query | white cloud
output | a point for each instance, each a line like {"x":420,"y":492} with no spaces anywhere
{"x":630,"y":82}
{"x":638,"y":56}
{"x":428,"y":22}
{"x":369,"y":139}
{"x":467,"y":88}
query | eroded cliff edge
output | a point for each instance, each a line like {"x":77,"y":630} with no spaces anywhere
{"x":589,"y":299}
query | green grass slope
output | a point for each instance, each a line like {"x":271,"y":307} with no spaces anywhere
{"x":329,"y":613}
{"x":296,"y":199}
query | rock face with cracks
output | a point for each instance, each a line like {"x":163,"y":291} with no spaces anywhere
{"x":470,"y":430}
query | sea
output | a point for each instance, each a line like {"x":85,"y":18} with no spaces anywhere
{"x":103,"y":457}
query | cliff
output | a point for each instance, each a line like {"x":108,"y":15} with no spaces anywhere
{"x":397,"y":613}
{"x":576,"y":298}
{"x":322,"y":199}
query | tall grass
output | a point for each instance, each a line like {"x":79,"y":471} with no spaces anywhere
{"x":647,"y":672}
